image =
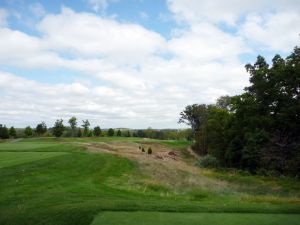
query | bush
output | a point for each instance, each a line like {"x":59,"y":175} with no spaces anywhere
{"x":208,"y":161}
{"x":143,"y":150}
{"x":149,"y":151}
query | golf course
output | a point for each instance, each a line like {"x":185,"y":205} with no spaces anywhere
{"x":110,"y":180}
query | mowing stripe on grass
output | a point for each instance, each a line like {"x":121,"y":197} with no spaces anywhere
{"x":162,"y":218}
{"x":15,"y":158}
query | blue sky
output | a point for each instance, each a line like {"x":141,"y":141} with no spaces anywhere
{"x":132,"y":63}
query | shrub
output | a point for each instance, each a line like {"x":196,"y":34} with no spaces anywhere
{"x":143,"y":150}
{"x":208,"y":161}
{"x":149,"y":151}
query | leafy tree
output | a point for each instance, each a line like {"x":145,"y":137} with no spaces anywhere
{"x":119,"y":133}
{"x":28,"y":131}
{"x":258,"y":129}
{"x":90,"y":133}
{"x":12,"y":132}
{"x":224,"y":102}
{"x":97,"y":131}
{"x":58,"y":128}
{"x":73,"y":124}
{"x":110,"y":132}
{"x":85,"y":125}
{"x":3,"y":132}
{"x":41,"y":128}
{"x":195,"y":116}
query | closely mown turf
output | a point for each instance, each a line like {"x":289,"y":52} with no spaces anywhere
{"x":163,"y":218}
{"x":50,"y":181}
{"x":15,"y":158}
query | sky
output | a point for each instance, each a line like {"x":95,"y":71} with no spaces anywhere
{"x":132,"y":63}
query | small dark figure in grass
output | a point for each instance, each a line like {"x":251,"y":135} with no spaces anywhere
{"x":149,"y":151}
{"x":140,"y":147}
{"x":143,"y":150}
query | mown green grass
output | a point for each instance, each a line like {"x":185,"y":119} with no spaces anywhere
{"x":26,"y":146}
{"x":38,"y":146}
{"x":73,"y":186}
{"x":15,"y":158}
{"x":163,"y":218}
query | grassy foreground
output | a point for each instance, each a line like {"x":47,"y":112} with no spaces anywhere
{"x":162,"y":218}
{"x":57,"y":181}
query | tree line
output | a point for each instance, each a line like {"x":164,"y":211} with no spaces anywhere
{"x":84,"y":130}
{"x":258,"y":130}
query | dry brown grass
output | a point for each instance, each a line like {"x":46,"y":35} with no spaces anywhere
{"x":164,"y":168}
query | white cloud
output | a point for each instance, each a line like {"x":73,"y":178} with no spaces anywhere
{"x":87,"y":35}
{"x":206,"y":42}
{"x":132,"y":76}
{"x":277,"y":32}
{"x":228,"y":11}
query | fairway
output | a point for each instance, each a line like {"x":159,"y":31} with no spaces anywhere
{"x":163,"y":218}
{"x":26,"y":146}
{"x":13,"y":158}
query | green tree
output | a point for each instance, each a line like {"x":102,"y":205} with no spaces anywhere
{"x":73,"y":124}
{"x":28,"y":131}
{"x":97,"y":131}
{"x":127,"y":134}
{"x":41,"y":128}
{"x":12,"y":132}
{"x":110,"y":132}
{"x":119,"y":133}
{"x":224,"y":102}
{"x":140,"y":133}
{"x":3,"y":132}
{"x":85,"y":125}
{"x":196,"y":116}
{"x":58,"y":128}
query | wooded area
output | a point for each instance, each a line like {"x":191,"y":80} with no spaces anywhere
{"x":259,"y":129}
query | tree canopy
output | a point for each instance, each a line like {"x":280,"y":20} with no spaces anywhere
{"x":258,"y":129}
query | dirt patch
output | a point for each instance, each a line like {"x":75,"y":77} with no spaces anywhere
{"x":134,"y":150}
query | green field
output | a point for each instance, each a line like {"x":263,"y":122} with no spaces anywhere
{"x":162,"y":218}
{"x":68,"y":181}
{"x":15,"y":158}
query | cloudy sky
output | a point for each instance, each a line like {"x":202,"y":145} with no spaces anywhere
{"x":132,"y":63}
